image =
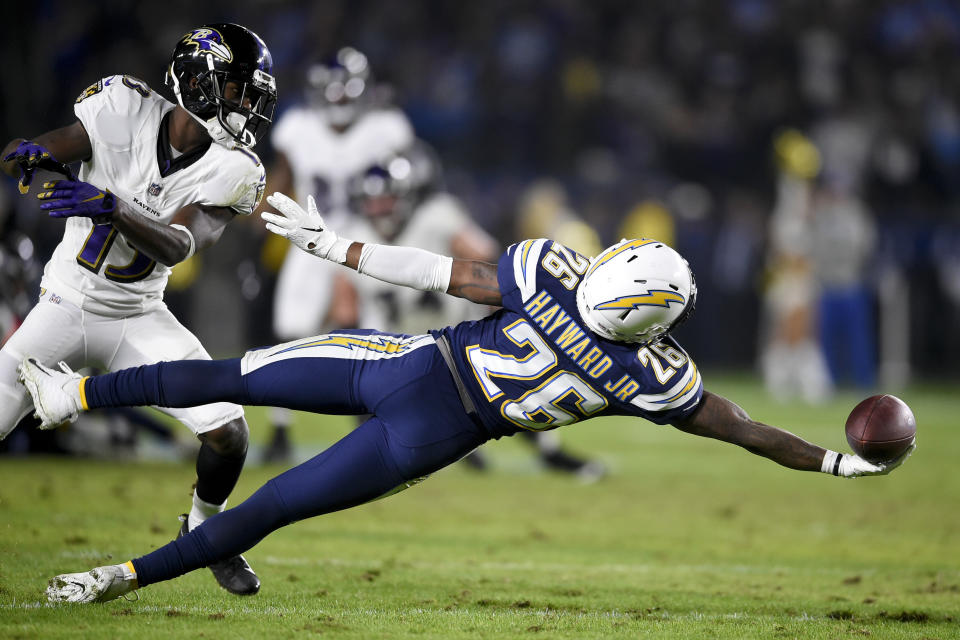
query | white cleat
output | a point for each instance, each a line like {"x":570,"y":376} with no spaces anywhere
{"x":97,"y":585}
{"x":56,"y":394}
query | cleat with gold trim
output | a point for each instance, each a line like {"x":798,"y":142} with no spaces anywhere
{"x":97,"y":585}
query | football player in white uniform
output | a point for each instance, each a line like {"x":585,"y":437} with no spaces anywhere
{"x":340,"y":131}
{"x":158,"y":182}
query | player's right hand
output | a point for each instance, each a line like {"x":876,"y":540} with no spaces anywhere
{"x":853,"y":466}
{"x":31,"y":156}
{"x":306,"y":229}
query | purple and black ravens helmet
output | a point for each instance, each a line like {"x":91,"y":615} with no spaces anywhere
{"x":204,"y":61}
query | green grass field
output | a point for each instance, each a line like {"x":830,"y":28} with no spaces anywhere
{"x":688,"y":538}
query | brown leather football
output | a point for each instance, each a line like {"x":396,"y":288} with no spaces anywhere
{"x":881,"y":428}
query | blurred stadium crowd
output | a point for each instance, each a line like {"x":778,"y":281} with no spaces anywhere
{"x":801,"y":155}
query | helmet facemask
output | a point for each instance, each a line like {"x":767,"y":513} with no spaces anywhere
{"x":244,"y":125}
{"x":227,"y":120}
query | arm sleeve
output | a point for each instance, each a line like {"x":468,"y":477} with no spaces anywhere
{"x":406,"y":266}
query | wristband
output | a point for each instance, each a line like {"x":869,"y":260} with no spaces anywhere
{"x":193,"y":244}
{"x":831,"y":462}
{"x":338,"y":250}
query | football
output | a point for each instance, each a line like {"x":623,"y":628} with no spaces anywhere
{"x":880,"y":428}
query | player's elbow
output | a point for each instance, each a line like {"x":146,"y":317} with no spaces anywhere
{"x":171,"y":253}
{"x":172,"y":256}
{"x":180,"y":246}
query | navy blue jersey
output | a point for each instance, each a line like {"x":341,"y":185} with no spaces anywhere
{"x":533,"y":365}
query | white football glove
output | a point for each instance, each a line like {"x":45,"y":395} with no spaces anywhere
{"x":849,"y":465}
{"x":306,"y":229}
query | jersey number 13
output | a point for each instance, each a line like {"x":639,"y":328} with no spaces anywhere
{"x":94,"y":254}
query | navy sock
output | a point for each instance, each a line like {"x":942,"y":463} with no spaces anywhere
{"x":185,"y":383}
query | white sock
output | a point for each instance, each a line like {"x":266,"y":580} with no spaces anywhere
{"x":126,"y":570}
{"x":202,"y":510}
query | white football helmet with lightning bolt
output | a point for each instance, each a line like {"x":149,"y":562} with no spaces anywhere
{"x":636,"y":291}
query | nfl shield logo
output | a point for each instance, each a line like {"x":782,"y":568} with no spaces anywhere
{"x":154,"y":189}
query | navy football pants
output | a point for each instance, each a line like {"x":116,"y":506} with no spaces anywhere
{"x":418,"y":426}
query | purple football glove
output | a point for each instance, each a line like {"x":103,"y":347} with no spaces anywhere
{"x":67,"y":198}
{"x":31,"y":156}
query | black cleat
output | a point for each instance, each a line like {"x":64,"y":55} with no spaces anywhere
{"x":233,"y":574}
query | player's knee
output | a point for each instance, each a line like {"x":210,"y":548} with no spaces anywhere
{"x":230,"y":439}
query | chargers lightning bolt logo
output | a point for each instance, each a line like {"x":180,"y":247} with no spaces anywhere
{"x":377,"y":343}
{"x":652,"y":298}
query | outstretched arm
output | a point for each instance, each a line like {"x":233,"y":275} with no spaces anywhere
{"x":405,"y":266}
{"x":50,"y":151}
{"x":716,"y":417}
{"x":67,"y":144}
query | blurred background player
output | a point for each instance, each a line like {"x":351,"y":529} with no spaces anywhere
{"x":844,"y":241}
{"x":344,"y":125}
{"x":19,"y":268}
{"x":792,"y":362}
{"x":160,"y":181}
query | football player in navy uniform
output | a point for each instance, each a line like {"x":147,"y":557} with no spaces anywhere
{"x":158,"y":181}
{"x":574,"y":339}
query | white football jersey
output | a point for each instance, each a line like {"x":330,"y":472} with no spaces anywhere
{"x":323,"y":160}
{"x":387,"y":307}
{"x":94,"y":266}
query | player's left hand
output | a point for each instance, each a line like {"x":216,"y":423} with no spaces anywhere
{"x":853,"y":466}
{"x":31,"y":156}
{"x":306,"y":229}
{"x":68,"y":198}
